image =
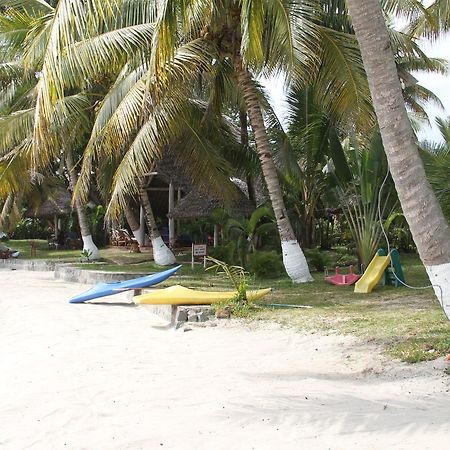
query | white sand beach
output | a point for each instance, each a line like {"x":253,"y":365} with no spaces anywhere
{"x":101,"y":377}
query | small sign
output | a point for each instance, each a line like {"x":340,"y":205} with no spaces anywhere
{"x":199,"y":249}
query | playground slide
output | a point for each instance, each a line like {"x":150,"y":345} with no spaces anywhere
{"x":372,"y":275}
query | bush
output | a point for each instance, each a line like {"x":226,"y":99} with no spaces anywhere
{"x":96,"y":217}
{"x":265,"y":264}
{"x":317,"y":259}
{"x":347,"y":259}
{"x":30,"y":229}
{"x":224,"y":253}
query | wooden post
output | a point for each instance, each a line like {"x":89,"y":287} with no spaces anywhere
{"x":192,"y":258}
{"x":171,"y":221}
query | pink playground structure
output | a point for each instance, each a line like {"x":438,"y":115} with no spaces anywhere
{"x":340,"y":279}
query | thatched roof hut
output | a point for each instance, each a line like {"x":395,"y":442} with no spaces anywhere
{"x":58,"y":204}
{"x":198,"y":205}
{"x":170,"y":171}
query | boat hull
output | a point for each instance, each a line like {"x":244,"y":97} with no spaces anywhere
{"x":105,"y":289}
{"x":179,"y":295}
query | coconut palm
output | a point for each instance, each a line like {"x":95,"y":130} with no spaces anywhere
{"x":161,"y":253}
{"x":250,"y":36}
{"x":25,"y":28}
{"x":428,"y":225}
{"x":201,"y":45}
{"x":206,"y":36}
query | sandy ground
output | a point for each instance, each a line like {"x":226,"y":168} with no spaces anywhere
{"x":102,"y":377}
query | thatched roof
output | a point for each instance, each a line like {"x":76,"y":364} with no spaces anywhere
{"x":260,"y":191}
{"x":58,"y":204}
{"x":197,"y":205}
{"x":169,"y":170}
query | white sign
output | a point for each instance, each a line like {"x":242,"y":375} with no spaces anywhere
{"x":199,"y":250}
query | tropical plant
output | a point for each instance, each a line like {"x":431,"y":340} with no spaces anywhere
{"x":235,"y":274}
{"x":436,"y":158}
{"x":171,"y":44}
{"x":368,"y":198}
{"x":265,"y":264}
{"x":247,"y":234}
{"x":314,"y":145}
{"x":24,"y":32}
{"x":161,"y":253}
{"x":428,"y":225}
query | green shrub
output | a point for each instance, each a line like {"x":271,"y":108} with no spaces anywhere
{"x":317,"y":260}
{"x":347,"y":259}
{"x":224,"y":253}
{"x":30,"y":229}
{"x":96,"y":217}
{"x":265,"y":264}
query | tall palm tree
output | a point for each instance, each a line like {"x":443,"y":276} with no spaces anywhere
{"x":86,"y":236}
{"x":161,"y":253}
{"x":24,"y":27}
{"x":251,"y":36}
{"x":428,"y":225}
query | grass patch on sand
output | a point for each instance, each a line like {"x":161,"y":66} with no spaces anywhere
{"x":408,"y":323}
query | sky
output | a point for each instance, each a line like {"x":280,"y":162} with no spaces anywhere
{"x":439,"y":84}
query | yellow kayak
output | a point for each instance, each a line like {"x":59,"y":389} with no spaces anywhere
{"x":179,"y":295}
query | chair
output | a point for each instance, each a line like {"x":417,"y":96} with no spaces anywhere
{"x":121,"y":237}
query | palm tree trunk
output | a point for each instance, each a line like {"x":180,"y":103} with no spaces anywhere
{"x":161,"y":253}
{"x":6,"y":211}
{"x":428,"y":225}
{"x":244,"y":142}
{"x":134,"y":225}
{"x":293,"y":257}
{"x":86,"y":236}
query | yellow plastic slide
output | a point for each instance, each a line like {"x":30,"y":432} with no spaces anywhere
{"x":179,"y":295}
{"x":372,"y":275}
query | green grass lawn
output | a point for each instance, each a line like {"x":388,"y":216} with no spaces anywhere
{"x":409,"y":324}
{"x":112,"y":255}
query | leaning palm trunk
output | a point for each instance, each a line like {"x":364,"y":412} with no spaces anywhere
{"x":134,"y":225}
{"x":6,"y":211}
{"x":428,"y":225}
{"x":86,"y":236}
{"x":244,"y":142}
{"x":161,"y":253}
{"x":293,"y":258}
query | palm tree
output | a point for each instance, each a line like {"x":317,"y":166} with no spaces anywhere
{"x":27,"y":37}
{"x":161,"y":253}
{"x":250,"y":36}
{"x":428,"y":225}
{"x":71,"y":27}
{"x":88,"y":243}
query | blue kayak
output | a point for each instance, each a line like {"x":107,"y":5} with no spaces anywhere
{"x":104,"y":289}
